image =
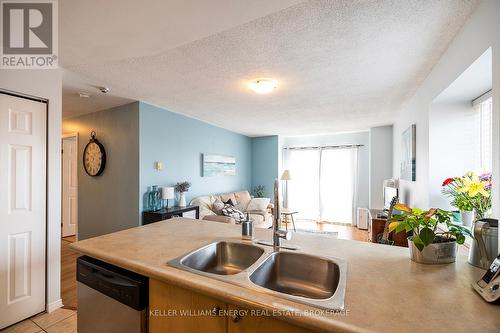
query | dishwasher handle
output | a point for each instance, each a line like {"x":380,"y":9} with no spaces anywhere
{"x":114,"y":280}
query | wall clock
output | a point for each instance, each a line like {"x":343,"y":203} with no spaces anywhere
{"x":94,"y":156}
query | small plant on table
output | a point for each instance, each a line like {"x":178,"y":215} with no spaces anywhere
{"x":424,"y":225}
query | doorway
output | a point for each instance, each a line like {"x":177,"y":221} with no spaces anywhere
{"x":23,"y":198}
{"x":69,"y":185}
{"x":69,"y":219}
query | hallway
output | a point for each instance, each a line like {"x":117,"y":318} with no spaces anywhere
{"x":68,"y":273}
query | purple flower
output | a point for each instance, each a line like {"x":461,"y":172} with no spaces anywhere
{"x":485,"y":176}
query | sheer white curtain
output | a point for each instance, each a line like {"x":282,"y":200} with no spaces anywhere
{"x":338,"y":184}
{"x":303,"y":189}
{"x":323,"y":185}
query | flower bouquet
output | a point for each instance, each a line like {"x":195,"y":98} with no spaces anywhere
{"x":470,"y":193}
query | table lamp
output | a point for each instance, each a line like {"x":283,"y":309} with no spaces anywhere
{"x":167,"y":193}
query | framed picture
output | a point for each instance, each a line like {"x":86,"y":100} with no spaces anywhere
{"x":218,"y":165}
{"x":408,"y":154}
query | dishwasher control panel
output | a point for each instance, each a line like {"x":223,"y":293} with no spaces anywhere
{"x":122,"y":285}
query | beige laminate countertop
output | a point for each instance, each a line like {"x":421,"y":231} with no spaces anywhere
{"x":386,"y":292}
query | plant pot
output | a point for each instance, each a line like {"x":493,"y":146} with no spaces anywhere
{"x":467,"y":217}
{"x":435,"y":253}
{"x":182,"y":199}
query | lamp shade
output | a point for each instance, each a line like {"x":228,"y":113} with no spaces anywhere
{"x":167,"y":193}
{"x":286,"y":175}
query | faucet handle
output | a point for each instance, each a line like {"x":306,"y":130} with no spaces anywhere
{"x":284,"y":234}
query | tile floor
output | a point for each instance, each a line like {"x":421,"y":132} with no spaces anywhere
{"x":59,"y":321}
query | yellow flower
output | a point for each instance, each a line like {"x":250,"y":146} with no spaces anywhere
{"x":473,"y":186}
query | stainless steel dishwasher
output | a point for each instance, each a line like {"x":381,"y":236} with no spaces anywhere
{"x":110,"y":299}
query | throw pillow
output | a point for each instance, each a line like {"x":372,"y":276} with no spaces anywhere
{"x":230,"y":211}
{"x":217,"y":206}
{"x":229,"y":202}
{"x":258,"y":204}
{"x":243,"y":199}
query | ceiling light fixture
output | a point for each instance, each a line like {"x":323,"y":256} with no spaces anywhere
{"x":263,"y":86}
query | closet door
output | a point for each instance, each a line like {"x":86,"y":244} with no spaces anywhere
{"x":22,"y":208}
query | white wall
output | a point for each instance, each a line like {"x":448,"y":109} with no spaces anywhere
{"x":46,"y":84}
{"x":479,"y":33}
{"x":454,"y":136}
{"x":380,"y":163}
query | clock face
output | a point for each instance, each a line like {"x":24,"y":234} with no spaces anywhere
{"x":94,"y":158}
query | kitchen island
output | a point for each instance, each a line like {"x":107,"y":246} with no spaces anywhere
{"x":385,"y":292}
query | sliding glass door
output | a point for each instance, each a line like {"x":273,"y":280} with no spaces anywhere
{"x":323,"y":185}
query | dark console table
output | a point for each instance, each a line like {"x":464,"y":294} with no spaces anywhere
{"x":376,"y":226}
{"x":192,"y":212}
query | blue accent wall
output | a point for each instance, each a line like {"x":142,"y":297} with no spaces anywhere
{"x":179,"y":142}
{"x":265,"y":162}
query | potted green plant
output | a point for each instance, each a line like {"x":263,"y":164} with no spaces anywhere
{"x":435,"y":237}
{"x":259,"y":191}
{"x":182,"y":188}
{"x":466,"y":210}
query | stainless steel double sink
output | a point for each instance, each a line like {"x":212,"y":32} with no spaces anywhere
{"x":314,"y":280}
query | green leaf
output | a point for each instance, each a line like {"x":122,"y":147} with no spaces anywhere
{"x":460,"y":238}
{"x":400,"y":227}
{"x":395,"y":218}
{"x":417,"y":211}
{"x":393,"y":226}
{"x":427,"y":236}
{"x":418,"y":243}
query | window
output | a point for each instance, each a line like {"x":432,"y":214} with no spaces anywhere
{"x":483,"y":105}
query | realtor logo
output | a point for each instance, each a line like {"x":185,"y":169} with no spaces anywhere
{"x":29,"y":34}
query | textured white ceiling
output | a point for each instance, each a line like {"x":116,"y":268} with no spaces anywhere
{"x":74,"y":105}
{"x":341,"y":65}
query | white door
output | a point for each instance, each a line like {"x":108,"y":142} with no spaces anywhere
{"x":69,"y":186}
{"x":22,"y":208}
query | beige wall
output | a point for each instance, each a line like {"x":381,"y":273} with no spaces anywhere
{"x":109,"y":202}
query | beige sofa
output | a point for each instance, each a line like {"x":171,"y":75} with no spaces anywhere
{"x":262,"y":219}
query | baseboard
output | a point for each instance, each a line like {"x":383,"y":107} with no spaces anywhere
{"x":54,"y":306}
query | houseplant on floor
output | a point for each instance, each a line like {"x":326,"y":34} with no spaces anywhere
{"x":182,"y":188}
{"x":259,"y":191}
{"x":435,"y":237}
{"x":471,"y":194}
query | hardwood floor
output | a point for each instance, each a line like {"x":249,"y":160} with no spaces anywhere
{"x":345,"y":231}
{"x":68,"y":273}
